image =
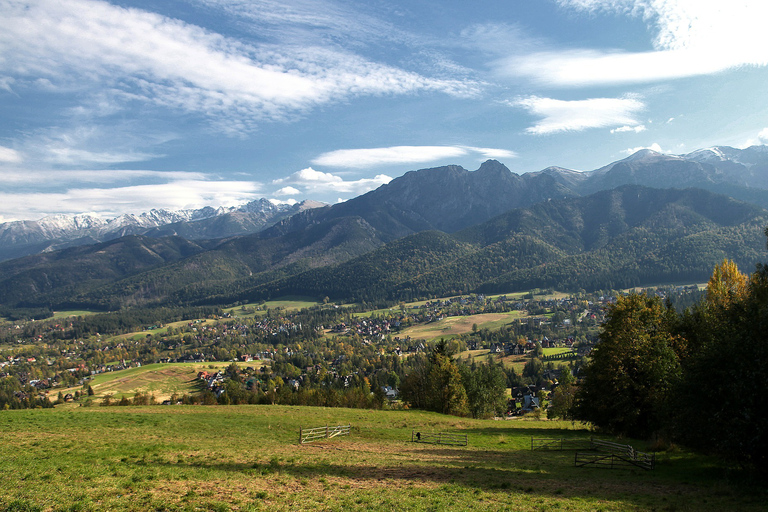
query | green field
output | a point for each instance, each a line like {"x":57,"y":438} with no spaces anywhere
{"x":556,"y":350}
{"x":215,"y":458}
{"x":289,"y":303}
{"x":454,"y":325}
{"x":160,"y":380}
{"x":67,"y":314}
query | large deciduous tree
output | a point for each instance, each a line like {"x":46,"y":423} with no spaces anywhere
{"x":486,"y":388}
{"x":633,"y":369}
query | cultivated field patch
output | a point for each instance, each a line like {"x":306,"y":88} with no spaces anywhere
{"x":455,"y":325}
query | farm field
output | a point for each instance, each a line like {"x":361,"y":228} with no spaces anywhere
{"x":455,"y":325}
{"x":160,"y":380}
{"x":551,"y":351}
{"x":216,"y":458}
{"x":285,"y":303}
{"x":71,"y":313}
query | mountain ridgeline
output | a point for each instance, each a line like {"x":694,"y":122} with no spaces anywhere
{"x":435,"y":232}
{"x":625,"y":237}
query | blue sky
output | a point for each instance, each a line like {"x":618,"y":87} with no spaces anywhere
{"x":114,"y":107}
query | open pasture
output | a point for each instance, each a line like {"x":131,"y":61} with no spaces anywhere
{"x":455,"y":325}
{"x":160,"y":380}
{"x":289,"y":303}
{"x":71,"y":313}
{"x":203,"y":458}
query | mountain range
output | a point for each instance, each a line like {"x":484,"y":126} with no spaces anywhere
{"x":432,"y":232}
{"x":21,"y":238}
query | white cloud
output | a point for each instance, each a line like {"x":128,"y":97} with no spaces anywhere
{"x":8,"y":155}
{"x":287,"y":191}
{"x":150,"y":58}
{"x":68,"y":156}
{"x":371,"y":157}
{"x":761,"y":138}
{"x":653,"y":147}
{"x":290,"y":202}
{"x":111,"y":202}
{"x":87,"y":145}
{"x":622,"y":129}
{"x":42,"y":178}
{"x":313,"y":181}
{"x":492,"y":152}
{"x":560,"y":115}
{"x":693,"y":37}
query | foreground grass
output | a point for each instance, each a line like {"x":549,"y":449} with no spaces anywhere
{"x":247,"y":458}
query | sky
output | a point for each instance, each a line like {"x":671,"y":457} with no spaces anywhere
{"x":113,"y":107}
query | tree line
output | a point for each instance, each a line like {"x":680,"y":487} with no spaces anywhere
{"x":695,"y":377}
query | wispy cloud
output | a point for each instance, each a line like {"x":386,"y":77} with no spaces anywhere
{"x":318,"y":182}
{"x":44,"y":178}
{"x":143,"y":56}
{"x":691,"y":38}
{"x":8,"y":155}
{"x":371,"y":157}
{"x":111,"y":202}
{"x":561,"y":115}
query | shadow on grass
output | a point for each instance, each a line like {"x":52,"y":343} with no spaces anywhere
{"x":543,"y":474}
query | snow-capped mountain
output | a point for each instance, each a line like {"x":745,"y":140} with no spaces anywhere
{"x":459,"y":199}
{"x":20,"y":238}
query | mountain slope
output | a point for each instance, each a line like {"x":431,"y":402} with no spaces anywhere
{"x":22,"y":238}
{"x":97,"y":277}
{"x":629,"y":236}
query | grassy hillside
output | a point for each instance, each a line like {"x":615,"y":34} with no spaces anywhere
{"x":247,"y":458}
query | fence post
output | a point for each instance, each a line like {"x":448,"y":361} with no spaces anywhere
{"x":326,"y":431}
{"x":300,"y":435}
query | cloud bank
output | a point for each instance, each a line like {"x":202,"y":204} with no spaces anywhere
{"x":692,"y":38}
{"x":371,"y":157}
{"x":312,"y":181}
{"x":564,"y":116}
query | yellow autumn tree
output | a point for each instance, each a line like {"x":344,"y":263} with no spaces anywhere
{"x":726,"y":285}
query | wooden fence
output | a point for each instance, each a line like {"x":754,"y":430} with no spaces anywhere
{"x":612,"y":455}
{"x":439,"y":438}
{"x":560,"y":444}
{"x":614,"y":460}
{"x":307,"y":435}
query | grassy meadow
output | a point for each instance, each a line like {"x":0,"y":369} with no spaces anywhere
{"x":216,"y":458}
{"x":454,"y":325}
{"x":160,"y":380}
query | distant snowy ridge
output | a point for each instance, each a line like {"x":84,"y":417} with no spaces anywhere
{"x":19,"y":238}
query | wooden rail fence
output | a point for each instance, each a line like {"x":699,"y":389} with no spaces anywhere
{"x":439,"y":438}
{"x":307,"y":435}
{"x":612,"y":455}
{"x":560,"y":444}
